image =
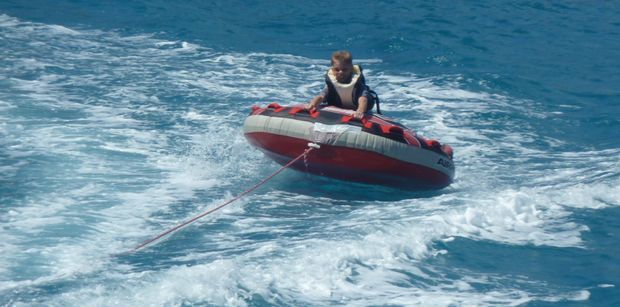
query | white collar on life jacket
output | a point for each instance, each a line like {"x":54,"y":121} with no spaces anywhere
{"x":357,"y":72}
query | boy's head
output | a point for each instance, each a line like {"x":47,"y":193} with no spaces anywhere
{"x":342,"y":66}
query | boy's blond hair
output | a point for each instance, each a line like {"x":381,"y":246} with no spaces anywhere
{"x":342,"y":56}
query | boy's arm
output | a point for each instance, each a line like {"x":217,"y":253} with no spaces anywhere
{"x":362,"y":103}
{"x":317,"y":99}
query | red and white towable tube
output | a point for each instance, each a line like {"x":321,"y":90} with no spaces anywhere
{"x":373,"y":150}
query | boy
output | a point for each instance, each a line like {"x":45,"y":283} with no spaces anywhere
{"x":345,"y":86}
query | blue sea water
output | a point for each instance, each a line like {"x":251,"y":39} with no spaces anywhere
{"x":121,"y":119}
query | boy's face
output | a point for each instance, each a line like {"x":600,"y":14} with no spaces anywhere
{"x":342,"y":71}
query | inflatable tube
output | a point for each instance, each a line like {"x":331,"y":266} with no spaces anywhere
{"x":374,"y":150}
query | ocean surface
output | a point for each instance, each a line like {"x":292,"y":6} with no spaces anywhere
{"x":122,"y":119}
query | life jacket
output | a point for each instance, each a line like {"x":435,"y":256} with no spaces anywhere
{"x":346,"y":95}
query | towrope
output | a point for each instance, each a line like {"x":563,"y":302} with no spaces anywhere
{"x":310,"y":147}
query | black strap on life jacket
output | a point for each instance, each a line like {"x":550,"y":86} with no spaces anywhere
{"x":375,"y":97}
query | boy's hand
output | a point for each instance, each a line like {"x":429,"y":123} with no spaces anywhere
{"x":314,"y":102}
{"x":358,"y":114}
{"x":310,"y":107}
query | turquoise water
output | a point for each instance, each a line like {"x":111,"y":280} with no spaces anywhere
{"x":121,"y":119}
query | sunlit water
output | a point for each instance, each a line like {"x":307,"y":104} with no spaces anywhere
{"x":109,"y":136}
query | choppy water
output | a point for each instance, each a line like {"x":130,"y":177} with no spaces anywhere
{"x":120,"y":120}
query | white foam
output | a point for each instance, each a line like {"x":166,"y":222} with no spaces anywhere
{"x":8,"y":21}
{"x":58,"y":29}
{"x":310,"y":272}
{"x":593,"y":196}
{"x":514,"y":217}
